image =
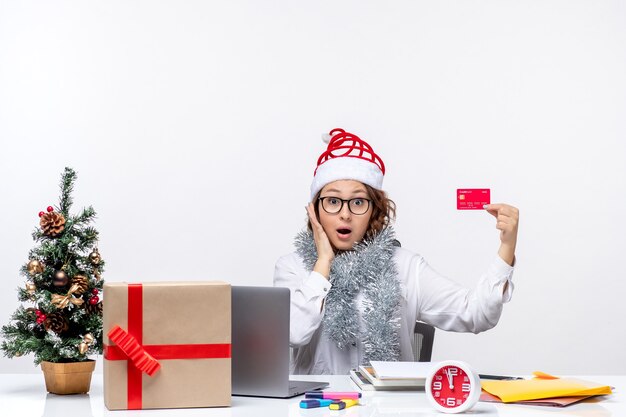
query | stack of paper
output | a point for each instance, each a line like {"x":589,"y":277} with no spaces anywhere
{"x":401,"y":370}
{"x":391,"y":375}
{"x":544,"y":389}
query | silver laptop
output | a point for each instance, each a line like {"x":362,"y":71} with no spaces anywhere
{"x":260,"y":344}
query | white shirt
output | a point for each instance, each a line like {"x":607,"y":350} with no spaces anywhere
{"x":426,"y":296}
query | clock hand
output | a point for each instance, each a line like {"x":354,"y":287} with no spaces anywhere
{"x":450,"y":383}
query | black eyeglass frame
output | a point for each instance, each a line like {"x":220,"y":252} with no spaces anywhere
{"x":369,"y":202}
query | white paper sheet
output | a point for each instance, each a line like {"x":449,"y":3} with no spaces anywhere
{"x":401,"y":370}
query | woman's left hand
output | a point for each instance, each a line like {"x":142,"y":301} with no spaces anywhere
{"x":507,"y":219}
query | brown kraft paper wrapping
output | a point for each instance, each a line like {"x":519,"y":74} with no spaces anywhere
{"x":174,"y":313}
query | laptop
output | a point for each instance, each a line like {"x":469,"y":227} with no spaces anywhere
{"x":260,"y":344}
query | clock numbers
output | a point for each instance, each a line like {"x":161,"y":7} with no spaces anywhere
{"x":448,"y":393}
{"x":453,"y":387}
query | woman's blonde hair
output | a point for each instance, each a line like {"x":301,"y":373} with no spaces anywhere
{"x":383,"y":210}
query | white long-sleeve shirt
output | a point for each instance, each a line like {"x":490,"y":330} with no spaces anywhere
{"x":426,"y":296}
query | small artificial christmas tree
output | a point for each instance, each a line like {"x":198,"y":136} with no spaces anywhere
{"x":64,"y":283}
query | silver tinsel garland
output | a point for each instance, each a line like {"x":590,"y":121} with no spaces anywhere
{"x":368,"y":268}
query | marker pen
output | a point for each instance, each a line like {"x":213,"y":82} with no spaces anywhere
{"x":332,"y":395}
{"x":315,"y":403}
{"x":341,"y":404}
{"x":499,"y":377}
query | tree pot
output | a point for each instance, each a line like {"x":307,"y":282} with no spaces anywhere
{"x":68,"y":378}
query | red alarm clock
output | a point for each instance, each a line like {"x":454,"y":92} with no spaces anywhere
{"x":452,"y":387}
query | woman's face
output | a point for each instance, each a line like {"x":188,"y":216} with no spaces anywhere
{"x":344,"y":228}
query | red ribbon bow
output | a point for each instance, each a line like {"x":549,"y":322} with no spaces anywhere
{"x":135,"y":352}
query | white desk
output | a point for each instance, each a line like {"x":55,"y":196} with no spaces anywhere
{"x":24,"y":395}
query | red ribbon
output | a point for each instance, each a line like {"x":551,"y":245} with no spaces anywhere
{"x":134,"y":351}
{"x":129,"y":346}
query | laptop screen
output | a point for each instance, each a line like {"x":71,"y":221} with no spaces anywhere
{"x":260,"y":340}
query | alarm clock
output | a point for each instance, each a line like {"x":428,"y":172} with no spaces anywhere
{"x":452,"y":387}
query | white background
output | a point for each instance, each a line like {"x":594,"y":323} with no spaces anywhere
{"x":195,"y":126}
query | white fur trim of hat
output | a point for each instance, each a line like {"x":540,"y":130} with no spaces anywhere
{"x":347,"y":157}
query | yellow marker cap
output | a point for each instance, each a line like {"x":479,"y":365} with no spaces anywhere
{"x":341,"y":404}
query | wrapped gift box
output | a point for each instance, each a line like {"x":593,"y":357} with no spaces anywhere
{"x":167,"y":345}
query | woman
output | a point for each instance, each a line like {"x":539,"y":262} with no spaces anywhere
{"x":355,"y":294}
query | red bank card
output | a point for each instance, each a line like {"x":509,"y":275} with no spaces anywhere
{"x":472,"y":198}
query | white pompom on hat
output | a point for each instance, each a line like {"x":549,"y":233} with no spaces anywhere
{"x":347,"y":157}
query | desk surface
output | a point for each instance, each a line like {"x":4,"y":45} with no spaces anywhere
{"x":24,"y":395}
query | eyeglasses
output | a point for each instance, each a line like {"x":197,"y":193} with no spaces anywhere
{"x":333,"y":205}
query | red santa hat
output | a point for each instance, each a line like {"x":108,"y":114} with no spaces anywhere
{"x":347,"y":157}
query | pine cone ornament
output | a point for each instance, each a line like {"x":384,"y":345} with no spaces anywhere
{"x":52,"y":224}
{"x":82,"y":282}
{"x":56,"y":322}
{"x":93,"y":308}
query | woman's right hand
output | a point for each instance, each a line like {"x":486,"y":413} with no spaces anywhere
{"x":325,"y":251}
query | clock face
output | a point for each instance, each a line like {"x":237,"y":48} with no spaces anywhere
{"x":452,"y":387}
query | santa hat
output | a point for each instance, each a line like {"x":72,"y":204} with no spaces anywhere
{"x":347,"y":157}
